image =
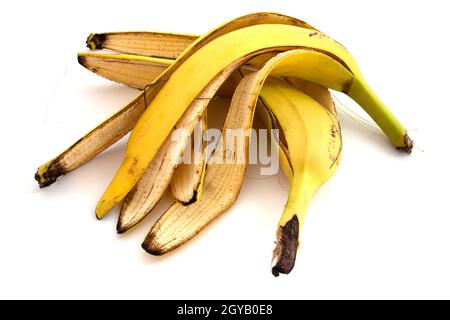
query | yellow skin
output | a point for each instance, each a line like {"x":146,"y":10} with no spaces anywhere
{"x":313,"y":137}
{"x":156,"y":122}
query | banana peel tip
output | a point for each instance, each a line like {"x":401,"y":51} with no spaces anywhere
{"x":193,"y":199}
{"x":103,"y":207}
{"x":48,"y":173}
{"x":408,"y":144}
{"x":121,"y":228}
{"x":95,"y":41}
{"x":81,"y":60}
{"x":150,"y":248}
{"x":99,"y":212}
{"x":286,"y":248}
{"x":42,"y":181}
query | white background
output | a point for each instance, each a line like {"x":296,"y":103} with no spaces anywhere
{"x":380,"y":228}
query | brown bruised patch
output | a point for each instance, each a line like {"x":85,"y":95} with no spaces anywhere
{"x":132,"y":168}
{"x":333,"y":131}
{"x":347,"y":85}
{"x":286,"y":249}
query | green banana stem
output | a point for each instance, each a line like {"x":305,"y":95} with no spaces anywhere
{"x":361,"y":92}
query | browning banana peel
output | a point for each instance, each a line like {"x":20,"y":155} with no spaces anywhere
{"x":275,"y":65}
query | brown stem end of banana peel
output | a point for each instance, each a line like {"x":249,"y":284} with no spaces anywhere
{"x":409,"y":144}
{"x":286,"y":248}
{"x":95,"y":41}
{"x":49,"y":176}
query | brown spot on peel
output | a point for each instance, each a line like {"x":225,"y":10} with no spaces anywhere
{"x":347,"y":86}
{"x":333,"y":131}
{"x":132,"y":168}
{"x":286,"y":249}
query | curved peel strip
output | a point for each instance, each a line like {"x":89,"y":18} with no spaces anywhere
{"x":134,"y":71}
{"x":155,"y":44}
{"x":138,"y":71}
{"x":91,"y":144}
{"x":170,"y":45}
